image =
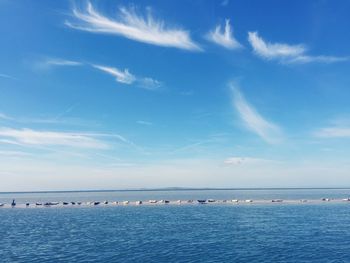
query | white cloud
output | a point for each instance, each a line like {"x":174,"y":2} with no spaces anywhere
{"x":224,"y":36}
{"x":61,"y":62}
{"x":122,"y":76}
{"x":277,"y":50}
{"x":132,"y":26}
{"x":246,"y":160}
{"x":286,"y":53}
{"x":42,"y":138}
{"x":268,"y":131}
{"x":333,"y":132}
{"x":234,"y":160}
{"x":149,"y":83}
{"x":47,"y":63}
{"x":320,"y":59}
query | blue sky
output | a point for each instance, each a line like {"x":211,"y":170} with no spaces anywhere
{"x":115,"y":94}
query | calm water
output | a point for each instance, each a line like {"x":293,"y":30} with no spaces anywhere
{"x":198,"y":233}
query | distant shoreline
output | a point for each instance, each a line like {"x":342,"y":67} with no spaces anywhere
{"x":206,"y":202}
{"x":169,"y":189}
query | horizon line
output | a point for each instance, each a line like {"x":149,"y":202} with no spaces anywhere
{"x":174,"y":189}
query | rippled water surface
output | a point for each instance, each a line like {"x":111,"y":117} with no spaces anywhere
{"x":175,"y":233}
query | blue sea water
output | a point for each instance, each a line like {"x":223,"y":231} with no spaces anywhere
{"x":198,"y":233}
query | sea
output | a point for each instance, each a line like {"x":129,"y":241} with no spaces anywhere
{"x":265,"y":232}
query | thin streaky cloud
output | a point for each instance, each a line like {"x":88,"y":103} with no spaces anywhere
{"x":122,"y":76}
{"x":14,"y":154}
{"x":6,"y":76}
{"x":130,"y":25}
{"x":125,"y":77}
{"x":47,"y":63}
{"x":333,"y":132}
{"x":190,"y":146}
{"x":253,"y":120}
{"x":5,"y":117}
{"x":320,"y":59}
{"x":65,"y":112}
{"x":285,"y":53}
{"x":108,"y":157}
{"x":43,"y":140}
{"x":34,"y":137}
{"x":119,"y":138}
{"x":11,"y":142}
{"x":149,"y":83}
{"x":147,"y":123}
{"x":246,"y":160}
{"x":234,"y":160}
{"x":212,"y":139}
{"x":62,"y":62}
{"x":276,"y":50}
{"x":224,"y":36}
{"x":195,"y":145}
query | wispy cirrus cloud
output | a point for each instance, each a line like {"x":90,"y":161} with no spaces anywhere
{"x":246,"y":160}
{"x":200,"y":145}
{"x":133,"y":26}
{"x":224,"y":36}
{"x":149,"y":83}
{"x":5,"y":116}
{"x":333,"y":132}
{"x":122,"y":76}
{"x":46,"y":138}
{"x":147,"y":123}
{"x":286,"y":53}
{"x":191,"y":146}
{"x":14,"y":154}
{"x":276,"y":50}
{"x":253,"y":120}
{"x":320,"y":59}
{"x":125,"y":77}
{"x":47,"y":63}
{"x":61,"y":62}
{"x":6,"y":76}
{"x":41,"y":138}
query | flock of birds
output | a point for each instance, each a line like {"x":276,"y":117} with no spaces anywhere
{"x":199,"y":201}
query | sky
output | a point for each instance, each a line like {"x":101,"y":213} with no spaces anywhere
{"x":151,"y":94}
